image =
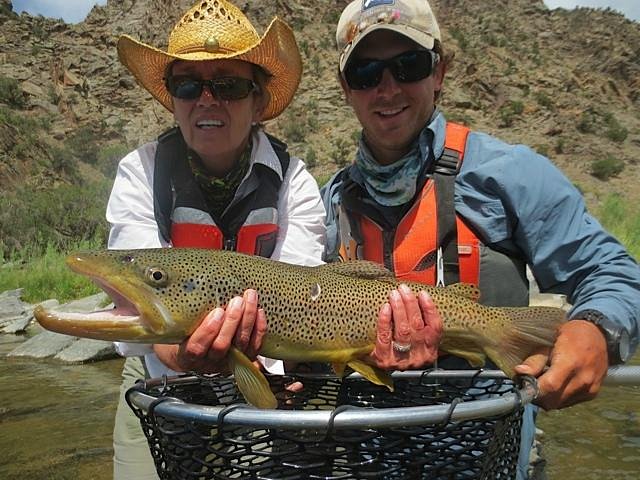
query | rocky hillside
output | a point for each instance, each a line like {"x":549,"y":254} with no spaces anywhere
{"x":567,"y":83}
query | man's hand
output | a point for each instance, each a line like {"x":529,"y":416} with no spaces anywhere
{"x":407,"y":322}
{"x":578,"y":364}
{"x":242,"y":324}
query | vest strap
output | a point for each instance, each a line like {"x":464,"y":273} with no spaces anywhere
{"x":444,"y":175}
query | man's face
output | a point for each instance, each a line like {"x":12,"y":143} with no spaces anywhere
{"x":392,"y":113}
{"x":217,"y":130}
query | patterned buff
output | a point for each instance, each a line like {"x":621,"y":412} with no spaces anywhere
{"x":218,"y":192}
{"x":390,"y":185}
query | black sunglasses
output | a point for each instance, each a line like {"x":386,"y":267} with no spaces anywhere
{"x":223,"y":88}
{"x":411,"y":66}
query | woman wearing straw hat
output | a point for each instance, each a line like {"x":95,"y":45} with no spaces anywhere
{"x":215,"y":181}
{"x":218,"y":181}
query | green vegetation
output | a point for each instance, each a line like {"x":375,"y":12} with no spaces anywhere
{"x":606,"y":168}
{"x":46,"y":276}
{"x":459,"y":37}
{"x":623,"y":221}
{"x":587,"y":122}
{"x":615,"y":132}
{"x":311,"y":157}
{"x":32,"y":221}
{"x":11,"y":93}
{"x":509,"y":111}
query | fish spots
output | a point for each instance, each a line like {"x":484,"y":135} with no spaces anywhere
{"x":189,"y":286}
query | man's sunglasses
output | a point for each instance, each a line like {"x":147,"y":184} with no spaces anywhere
{"x":411,"y":66}
{"x":223,"y":88}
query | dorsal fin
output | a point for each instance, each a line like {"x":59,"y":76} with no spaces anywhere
{"x":359,"y":269}
{"x":466,"y":290}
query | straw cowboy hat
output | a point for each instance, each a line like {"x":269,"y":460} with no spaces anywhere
{"x":212,"y":30}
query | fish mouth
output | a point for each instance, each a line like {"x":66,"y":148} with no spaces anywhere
{"x":136,"y":315}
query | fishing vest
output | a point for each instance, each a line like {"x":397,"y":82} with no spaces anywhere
{"x":432,"y":244}
{"x":249,"y":224}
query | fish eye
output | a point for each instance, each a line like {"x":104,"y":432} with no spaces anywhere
{"x":157,"y":276}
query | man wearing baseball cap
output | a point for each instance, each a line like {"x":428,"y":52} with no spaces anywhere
{"x":438,"y":203}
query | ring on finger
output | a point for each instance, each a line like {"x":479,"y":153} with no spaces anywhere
{"x":401,"y":347}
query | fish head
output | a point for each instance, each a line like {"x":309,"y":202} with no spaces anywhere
{"x":159,"y":295}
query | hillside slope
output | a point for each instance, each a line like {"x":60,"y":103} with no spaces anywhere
{"x":566,"y":83}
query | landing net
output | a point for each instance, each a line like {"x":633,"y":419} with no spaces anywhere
{"x":442,"y":425}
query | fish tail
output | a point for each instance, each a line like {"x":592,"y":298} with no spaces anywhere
{"x":529,"y":329}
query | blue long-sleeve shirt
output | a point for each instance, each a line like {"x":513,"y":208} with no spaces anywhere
{"x":517,"y":200}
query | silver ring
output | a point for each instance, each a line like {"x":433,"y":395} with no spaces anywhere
{"x":401,"y":347}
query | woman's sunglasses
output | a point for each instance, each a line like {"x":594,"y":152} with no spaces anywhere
{"x":223,"y":88}
{"x":411,"y":66}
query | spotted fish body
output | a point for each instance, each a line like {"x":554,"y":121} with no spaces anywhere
{"x":326,"y":313}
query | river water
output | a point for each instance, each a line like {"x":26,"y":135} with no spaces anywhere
{"x":56,"y":422}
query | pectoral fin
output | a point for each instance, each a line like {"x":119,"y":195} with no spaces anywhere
{"x":251,"y":382}
{"x":371,"y":373}
{"x":338,"y":368}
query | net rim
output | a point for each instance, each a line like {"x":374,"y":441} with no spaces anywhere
{"x":348,"y":418}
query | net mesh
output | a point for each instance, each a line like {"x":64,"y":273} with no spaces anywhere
{"x":188,"y":448}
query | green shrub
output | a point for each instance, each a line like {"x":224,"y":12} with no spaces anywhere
{"x":293,"y":130}
{"x":509,"y":111}
{"x":84,"y":144}
{"x":11,"y":93}
{"x":615,"y":132}
{"x":62,"y":161}
{"x":31,"y":220}
{"x":311,"y":158}
{"x":304,"y":47}
{"x":109,"y":157}
{"x":544,"y":100}
{"x":459,"y":37}
{"x":342,"y":153}
{"x":607,"y":167}
{"x":587,"y":123}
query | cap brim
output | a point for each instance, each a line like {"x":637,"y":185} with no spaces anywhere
{"x":423,"y":39}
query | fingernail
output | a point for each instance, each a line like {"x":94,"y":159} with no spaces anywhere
{"x":404,"y":288}
{"x":236,"y":302}
{"x":425,"y":295}
{"x":215,"y":316}
{"x":394,"y":295}
{"x":386,"y":309}
{"x":250,"y":295}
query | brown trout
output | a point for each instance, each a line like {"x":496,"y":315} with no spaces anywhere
{"x":322,"y":314}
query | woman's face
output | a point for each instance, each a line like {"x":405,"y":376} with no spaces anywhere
{"x":217,"y":130}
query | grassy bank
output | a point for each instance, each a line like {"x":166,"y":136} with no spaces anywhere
{"x":46,"y":276}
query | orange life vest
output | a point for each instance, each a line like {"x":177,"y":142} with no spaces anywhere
{"x":413,"y":252}
{"x":248,"y":225}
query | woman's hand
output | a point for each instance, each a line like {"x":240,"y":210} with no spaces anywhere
{"x":242,"y":324}
{"x":408,"y":332}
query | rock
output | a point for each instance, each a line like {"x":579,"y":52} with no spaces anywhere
{"x":84,"y":350}
{"x":16,"y":324}
{"x":43,"y":345}
{"x":32,"y":89}
{"x":66,"y":348}
{"x":87,"y":304}
{"x":13,"y":311}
